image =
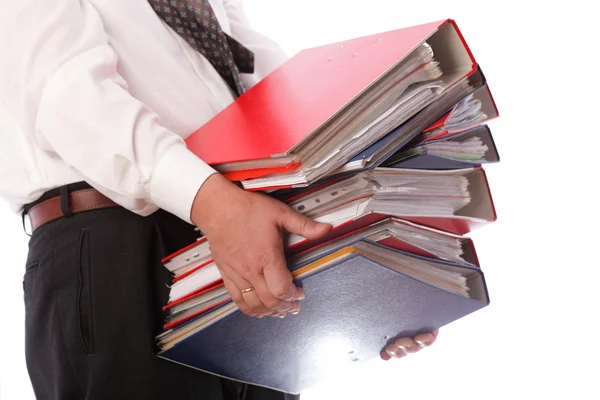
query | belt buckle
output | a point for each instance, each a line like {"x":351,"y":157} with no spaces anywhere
{"x":27,"y":226}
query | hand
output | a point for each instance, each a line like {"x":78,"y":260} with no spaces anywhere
{"x":245,"y":233}
{"x":401,"y":347}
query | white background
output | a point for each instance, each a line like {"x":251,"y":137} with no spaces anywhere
{"x":537,"y":339}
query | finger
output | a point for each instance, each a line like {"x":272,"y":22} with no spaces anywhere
{"x":385,"y":356}
{"x":260,"y":299}
{"x":236,"y":296}
{"x":270,"y":301}
{"x":278,"y":277}
{"x":255,"y":304}
{"x":395,"y":351}
{"x":425,"y":339}
{"x":251,"y":299}
{"x":406,"y":344}
{"x":294,"y":222}
{"x":285,"y":313}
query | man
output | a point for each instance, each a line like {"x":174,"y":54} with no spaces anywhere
{"x":97,"y":97}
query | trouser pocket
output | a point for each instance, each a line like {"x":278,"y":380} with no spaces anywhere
{"x":85,"y":309}
{"x":29,"y":277}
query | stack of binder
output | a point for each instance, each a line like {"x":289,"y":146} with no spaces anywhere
{"x":383,"y":137}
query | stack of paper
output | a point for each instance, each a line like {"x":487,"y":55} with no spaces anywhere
{"x":383,"y":137}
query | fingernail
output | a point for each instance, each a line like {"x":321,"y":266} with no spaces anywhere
{"x":301,"y":295}
{"x":295,"y":312}
{"x":394,"y":353}
{"x":402,"y":347}
{"x":422,"y":343}
{"x":407,"y":345}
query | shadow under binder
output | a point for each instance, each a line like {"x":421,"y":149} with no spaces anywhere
{"x":351,"y":311}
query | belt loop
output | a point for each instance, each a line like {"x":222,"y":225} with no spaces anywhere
{"x":64,"y":201}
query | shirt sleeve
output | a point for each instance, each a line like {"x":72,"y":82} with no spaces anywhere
{"x":268,"y":54}
{"x":60,"y":82}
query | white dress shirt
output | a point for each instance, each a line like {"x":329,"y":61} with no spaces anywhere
{"x":104,"y":91}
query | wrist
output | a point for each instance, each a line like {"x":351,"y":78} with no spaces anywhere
{"x":211,"y":199}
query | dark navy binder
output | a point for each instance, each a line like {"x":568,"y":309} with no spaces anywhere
{"x":352,"y":310}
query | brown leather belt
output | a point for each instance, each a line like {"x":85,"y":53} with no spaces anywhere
{"x":79,"y":201}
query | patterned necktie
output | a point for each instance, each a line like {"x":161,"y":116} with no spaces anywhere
{"x":196,"y":22}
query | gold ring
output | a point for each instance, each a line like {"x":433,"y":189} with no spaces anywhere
{"x":247,"y":290}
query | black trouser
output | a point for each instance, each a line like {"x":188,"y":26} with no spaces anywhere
{"x":94,"y":287}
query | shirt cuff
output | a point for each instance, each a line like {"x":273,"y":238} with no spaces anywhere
{"x":176,"y":180}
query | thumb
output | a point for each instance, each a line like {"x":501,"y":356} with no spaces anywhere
{"x":294,"y":222}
